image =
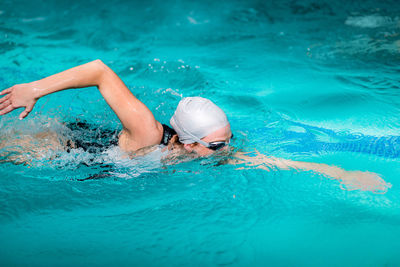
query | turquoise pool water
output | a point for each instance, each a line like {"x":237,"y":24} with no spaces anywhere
{"x":315,"y":81}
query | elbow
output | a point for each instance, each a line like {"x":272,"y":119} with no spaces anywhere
{"x":98,"y":62}
{"x":101,"y":70}
{"x":99,"y":65}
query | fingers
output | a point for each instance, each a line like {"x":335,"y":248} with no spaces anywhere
{"x":5,"y":104}
{"x":7,"y":91}
{"x":24,"y":114}
{"x":4,"y":98}
{"x":6,"y":110}
{"x":6,"y":107}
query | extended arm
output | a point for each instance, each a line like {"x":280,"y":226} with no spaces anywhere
{"x":351,"y":180}
{"x":138,"y":121}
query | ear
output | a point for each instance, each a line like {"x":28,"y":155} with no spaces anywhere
{"x":188,"y":147}
{"x":173,"y":142}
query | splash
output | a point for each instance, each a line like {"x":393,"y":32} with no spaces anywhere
{"x":371,"y":21}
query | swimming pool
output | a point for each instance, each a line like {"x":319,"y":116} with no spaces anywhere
{"x":314,"y":81}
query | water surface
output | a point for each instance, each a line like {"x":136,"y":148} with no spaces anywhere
{"x":314,"y":81}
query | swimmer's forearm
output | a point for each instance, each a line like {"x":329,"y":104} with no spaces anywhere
{"x":85,"y":75}
{"x":271,"y":162}
{"x":325,"y":169}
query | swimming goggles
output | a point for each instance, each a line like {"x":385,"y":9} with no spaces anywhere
{"x":217,"y":144}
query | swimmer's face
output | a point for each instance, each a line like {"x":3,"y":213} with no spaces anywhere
{"x":221,"y":135}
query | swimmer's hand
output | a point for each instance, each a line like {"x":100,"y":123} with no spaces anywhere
{"x":18,"y":96}
{"x":365,"y":181}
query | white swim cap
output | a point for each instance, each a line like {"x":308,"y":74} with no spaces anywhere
{"x":195,"y":118}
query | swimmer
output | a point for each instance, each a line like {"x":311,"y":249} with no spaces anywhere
{"x":198,"y":125}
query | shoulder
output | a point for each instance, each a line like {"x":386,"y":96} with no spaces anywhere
{"x":141,"y":138}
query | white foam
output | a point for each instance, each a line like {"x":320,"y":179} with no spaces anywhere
{"x":133,"y":167}
{"x":36,"y":19}
{"x":196,"y":22}
{"x":370,"y":21}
